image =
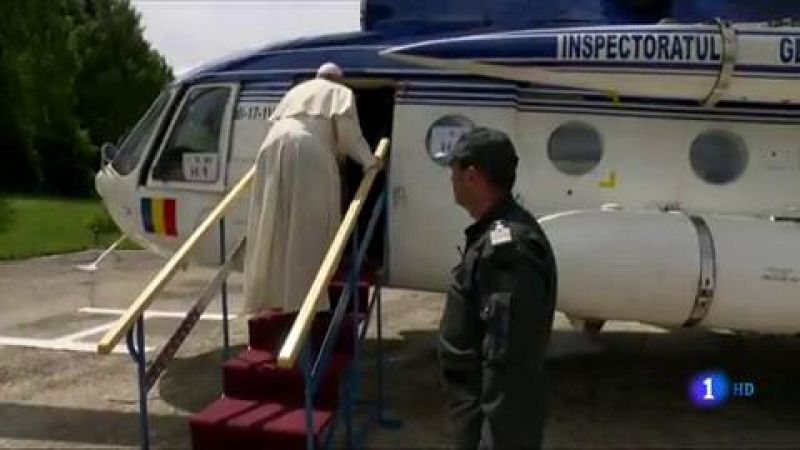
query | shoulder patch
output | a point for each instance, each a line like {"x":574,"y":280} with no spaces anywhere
{"x":500,"y":234}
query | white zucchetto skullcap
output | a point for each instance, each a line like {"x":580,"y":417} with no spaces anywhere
{"x":330,"y":69}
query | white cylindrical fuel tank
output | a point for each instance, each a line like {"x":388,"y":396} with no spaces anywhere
{"x":758,"y":275}
{"x":625,"y":266}
{"x":650,"y":267}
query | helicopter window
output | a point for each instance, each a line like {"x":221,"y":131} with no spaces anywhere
{"x":135,"y":143}
{"x":575,"y":148}
{"x":718,"y":156}
{"x":192,"y":152}
{"x":443,"y":135}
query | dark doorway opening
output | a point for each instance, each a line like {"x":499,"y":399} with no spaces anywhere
{"x":376,"y":115}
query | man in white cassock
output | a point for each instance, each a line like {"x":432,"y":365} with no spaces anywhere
{"x":295,"y":207}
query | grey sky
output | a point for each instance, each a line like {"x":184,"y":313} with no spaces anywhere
{"x":190,"y":33}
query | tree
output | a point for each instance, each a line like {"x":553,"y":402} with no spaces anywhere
{"x":64,"y":152}
{"x":119,"y":73}
{"x":73,"y":73}
{"x":17,"y":130}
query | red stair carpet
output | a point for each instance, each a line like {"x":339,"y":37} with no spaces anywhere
{"x":262,"y":404}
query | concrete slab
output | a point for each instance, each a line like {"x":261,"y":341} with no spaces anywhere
{"x":625,"y":389}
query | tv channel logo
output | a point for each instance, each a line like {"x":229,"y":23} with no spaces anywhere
{"x":712,"y":389}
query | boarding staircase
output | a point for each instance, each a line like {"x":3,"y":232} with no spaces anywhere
{"x":252,"y":417}
{"x":299,"y":377}
{"x":263,"y":404}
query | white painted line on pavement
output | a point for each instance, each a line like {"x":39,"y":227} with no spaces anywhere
{"x":152,"y":314}
{"x":86,"y":333}
{"x":53,"y":344}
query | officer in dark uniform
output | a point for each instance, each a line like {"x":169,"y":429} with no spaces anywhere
{"x":499,"y":309}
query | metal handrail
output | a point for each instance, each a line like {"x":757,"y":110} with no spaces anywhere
{"x":326,"y":348}
{"x":148,"y":295}
{"x":302,"y":324}
{"x":314,"y":369}
{"x":156,"y":368}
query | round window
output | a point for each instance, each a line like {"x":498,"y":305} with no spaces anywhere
{"x":575,"y":148}
{"x":718,"y":156}
{"x":443,"y":135}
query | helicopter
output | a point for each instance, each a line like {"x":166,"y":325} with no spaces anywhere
{"x":658,"y":145}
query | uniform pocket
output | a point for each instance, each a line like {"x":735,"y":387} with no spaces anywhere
{"x":460,"y":327}
{"x":497,"y":317}
{"x":457,"y":328}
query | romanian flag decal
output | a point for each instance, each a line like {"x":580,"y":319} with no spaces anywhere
{"x":158,"y":216}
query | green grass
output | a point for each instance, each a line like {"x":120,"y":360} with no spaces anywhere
{"x":37,"y":226}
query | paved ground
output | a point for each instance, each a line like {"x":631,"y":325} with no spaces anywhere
{"x":626,"y":390}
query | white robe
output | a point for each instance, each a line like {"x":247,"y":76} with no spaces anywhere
{"x":295,"y":206}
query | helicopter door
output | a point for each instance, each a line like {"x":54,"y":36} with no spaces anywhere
{"x":187,"y":177}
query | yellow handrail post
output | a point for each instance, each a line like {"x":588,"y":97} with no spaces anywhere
{"x":146,"y":297}
{"x":291,"y":348}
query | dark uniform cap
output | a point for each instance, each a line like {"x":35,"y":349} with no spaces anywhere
{"x":490,"y":151}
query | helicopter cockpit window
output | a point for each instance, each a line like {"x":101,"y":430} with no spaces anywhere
{"x":133,"y":146}
{"x":718,"y":156}
{"x":575,"y":148}
{"x":192,"y":151}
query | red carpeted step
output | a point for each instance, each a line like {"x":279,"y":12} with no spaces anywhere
{"x":335,"y":291}
{"x":255,"y":375}
{"x":367,"y":279}
{"x":250,"y":425}
{"x":268,"y":330}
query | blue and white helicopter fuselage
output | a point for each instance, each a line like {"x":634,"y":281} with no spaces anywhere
{"x":663,"y":159}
